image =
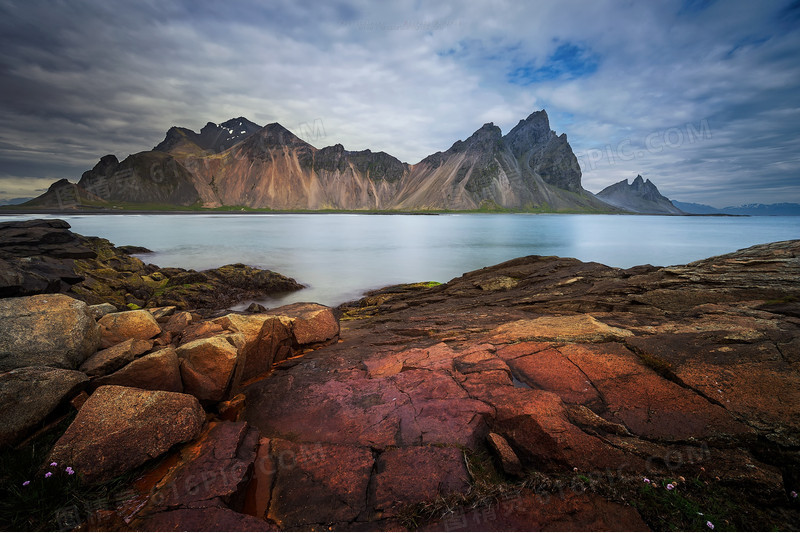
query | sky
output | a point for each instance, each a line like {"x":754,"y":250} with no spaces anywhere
{"x":700,"y":97}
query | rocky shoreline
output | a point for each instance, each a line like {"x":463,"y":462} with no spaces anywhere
{"x":541,"y":393}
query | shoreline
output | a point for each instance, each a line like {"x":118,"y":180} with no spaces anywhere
{"x":11,"y":212}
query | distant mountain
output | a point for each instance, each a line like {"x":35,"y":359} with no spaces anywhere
{"x":696,"y":209}
{"x":239,"y":163}
{"x":782,"y":209}
{"x":638,"y":197}
{"x":14,"y":201}
{"x":143,"y":178}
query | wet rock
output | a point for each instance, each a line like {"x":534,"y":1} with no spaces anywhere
{"x":406,"y":476}
{"x":30,"y":394}
{"x":113,"y":358}
{"x":120,"y":428}
{"x":119,"y":327}
{"x":46,"y":330}
{"x":156,"y":371}
{"x":318,"y":483}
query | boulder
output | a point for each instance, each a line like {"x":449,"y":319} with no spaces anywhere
{"x":156,"y":371}
{"x":46,"y":330}
{"x":121,"y":428}
{"x":118,"y":327}
{"x":272,"y":344}
{"x":508,"y":459}
{"x":100,"y":310}
{"x":407,"y":476}
{"x":311,"y":323}
{"x":207,"y":366}
{"x":30,"y":394}
{"x":112,"y":359}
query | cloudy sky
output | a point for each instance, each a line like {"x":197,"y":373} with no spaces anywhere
{"x":701,"y":97}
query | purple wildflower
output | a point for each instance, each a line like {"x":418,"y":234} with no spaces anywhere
{"x":69,"y":470}
{"x":793,"y":494}
{"x":53,"y":464}
{"x":670,"y":486}
{"x":646,"y":480}
{"x":710,"y":525}
{"x":25,"y":484}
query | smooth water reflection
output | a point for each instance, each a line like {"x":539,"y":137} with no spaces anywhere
{"x":341,"y":256}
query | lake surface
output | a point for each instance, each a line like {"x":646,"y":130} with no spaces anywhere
{"x":340,"y":256}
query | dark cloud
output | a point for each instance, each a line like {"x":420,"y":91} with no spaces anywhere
{"x":88,"y":77}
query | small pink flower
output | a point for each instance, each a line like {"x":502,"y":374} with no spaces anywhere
{"x":793,"y":494}
{"x":54,"y":464}
{"x":646,"y":480}
{"x":69,"y":470}
{"x":25,"y":484}
{"x":48,"y":474}
{"x":670,"y":486}
{"x":710,"y":525}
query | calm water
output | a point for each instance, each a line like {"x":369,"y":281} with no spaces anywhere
{"x":341,"y":256}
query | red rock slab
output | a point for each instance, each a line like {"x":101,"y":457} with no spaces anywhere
{"x":537,"y":425}
{"x":550,"y":370}
{"x":218,"y":465}
{"x":512,"y":351}
{"x":318,"y":483}
{"x":569,"y":511}
{"x":214,"y":518}
{"x":646,"y":403}
{"x":755,"y":381}
{"x":413,"y":407}
{"x":406,"y":476}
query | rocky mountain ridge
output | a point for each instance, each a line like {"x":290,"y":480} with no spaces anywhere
{"x":238,"y":163}
{"x":640,"y":197}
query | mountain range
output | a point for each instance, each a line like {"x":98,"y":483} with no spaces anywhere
{"x":781,"y":209}
{"x":239,"y":163}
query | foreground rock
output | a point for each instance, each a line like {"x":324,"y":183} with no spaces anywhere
{"x":30,"y":394}
{"x":46,"y":330}
{"x":566,"y":372}
{"x":120,"y":428}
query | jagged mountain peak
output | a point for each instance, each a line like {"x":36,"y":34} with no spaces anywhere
{"x":640,"y":196}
